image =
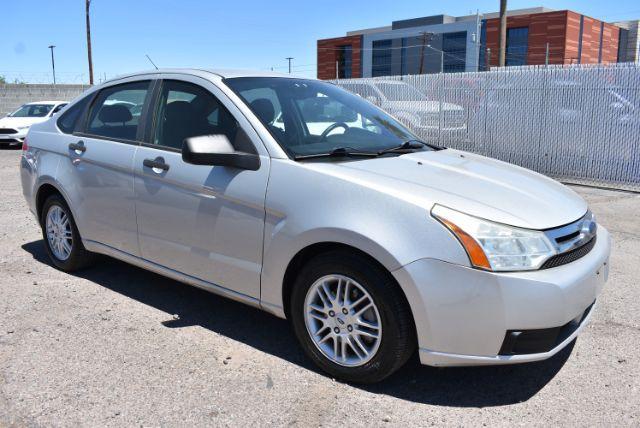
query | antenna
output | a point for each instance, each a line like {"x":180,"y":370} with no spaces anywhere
{"x":154,"y":64}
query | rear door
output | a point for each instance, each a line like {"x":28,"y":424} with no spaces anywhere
{"x":98,"y":170}
{"x":203,"y":221}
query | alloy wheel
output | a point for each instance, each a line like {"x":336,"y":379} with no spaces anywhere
{"x":59,"y":233}
{"x":343,"y":320}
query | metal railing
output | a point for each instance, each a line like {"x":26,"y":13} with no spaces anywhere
{"x":578,"y":123}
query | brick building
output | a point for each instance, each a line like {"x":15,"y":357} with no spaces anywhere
{"x":572,"y":39}
{"x":443,"y":43}
{"x":340,"y":57}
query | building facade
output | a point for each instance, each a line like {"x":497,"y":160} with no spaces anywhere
{"x":340,"y":57}
{"x":629,"y":46}
{"x":570,"y":38}
{"x":445,"y":43}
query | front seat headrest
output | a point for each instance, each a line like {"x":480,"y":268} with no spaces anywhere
{"x":180,"y":111}
{"x":263,"y":108}
{"x":116,"y":113}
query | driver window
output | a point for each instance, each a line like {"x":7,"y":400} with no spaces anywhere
{"x":187,"y":110}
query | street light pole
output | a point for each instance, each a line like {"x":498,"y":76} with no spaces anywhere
{"x":53,"y":64}
{"x":289,"y":58}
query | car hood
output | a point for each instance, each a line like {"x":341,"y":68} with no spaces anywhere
{"x":14,"y":122}
{"x":470,"y":183}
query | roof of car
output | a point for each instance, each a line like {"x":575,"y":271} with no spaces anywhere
{"x":224,"y":73}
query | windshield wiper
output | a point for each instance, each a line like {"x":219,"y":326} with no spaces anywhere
{"x":338,"y":152}
{"x":409,"y":146}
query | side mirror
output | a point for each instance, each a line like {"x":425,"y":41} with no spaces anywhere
{"x":217,"y":150}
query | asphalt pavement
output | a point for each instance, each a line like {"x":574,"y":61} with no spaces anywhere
{"x":119,"y":346}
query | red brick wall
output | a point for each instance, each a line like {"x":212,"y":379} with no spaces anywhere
{"x":610,"y":42}
{"x":573,"y":38}
{"x":590,"y":41}
{"x":561,"y":29}
{"x":328,"y":55}
{"x":547,"y":28}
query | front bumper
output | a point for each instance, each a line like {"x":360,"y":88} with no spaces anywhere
{"x":13,"y":139}
{"x":463,"y":315}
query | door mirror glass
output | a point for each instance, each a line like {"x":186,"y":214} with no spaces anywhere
{"x":217,"y":150}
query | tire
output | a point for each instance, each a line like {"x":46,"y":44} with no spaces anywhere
{"x":78,"y":257}
{"x":390,"y":312}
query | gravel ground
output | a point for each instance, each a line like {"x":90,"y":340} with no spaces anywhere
{"x":118,"y":346}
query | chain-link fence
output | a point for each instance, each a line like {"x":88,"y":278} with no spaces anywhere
{"x":575,"y":123}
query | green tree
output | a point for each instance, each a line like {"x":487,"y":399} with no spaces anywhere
{"x":2,"y":80}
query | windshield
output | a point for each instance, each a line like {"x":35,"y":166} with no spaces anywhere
{"x":32,"y":110}
{"x":400,"y":92}
{"x":308,"y":117}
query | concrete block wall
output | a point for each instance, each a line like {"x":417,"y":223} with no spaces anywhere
{"x":14,"y":95}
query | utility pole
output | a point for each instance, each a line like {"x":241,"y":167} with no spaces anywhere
{"x":53,"y":64}
{"x":503,"y":34}
{"x":426,"y":38}
{"x":87,"y":5}
{"x":289,"y":58}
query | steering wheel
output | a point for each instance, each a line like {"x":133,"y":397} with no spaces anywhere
{"x":327,"y":131}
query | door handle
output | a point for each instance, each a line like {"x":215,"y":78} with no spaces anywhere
{"x":156,"y":164}
{"x":78,"y":147}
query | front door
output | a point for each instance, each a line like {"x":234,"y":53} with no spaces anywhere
{"x":203,"y":221}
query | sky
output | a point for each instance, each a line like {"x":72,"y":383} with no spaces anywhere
{"x":246,"y":34}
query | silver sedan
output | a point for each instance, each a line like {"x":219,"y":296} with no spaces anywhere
{"x":309,"y":202}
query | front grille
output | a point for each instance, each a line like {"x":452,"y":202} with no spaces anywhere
{"x":10,"y":140}
{"x":522,"y":342}
{"x":569,"y":256}
{"x":6,"y":131}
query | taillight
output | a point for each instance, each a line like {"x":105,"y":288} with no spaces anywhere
{"x":25,"y":146}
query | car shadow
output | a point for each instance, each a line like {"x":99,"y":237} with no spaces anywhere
{"x":454,"y":387}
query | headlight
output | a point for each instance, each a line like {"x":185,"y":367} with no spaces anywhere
{"x":23,"y":127}
{"x":494,"y":246}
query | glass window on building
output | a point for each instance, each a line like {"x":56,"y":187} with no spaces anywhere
{"x":517,"y":46}
{"x":344,"y":62}
{"x":381,"y":58}
{"x":454,"y":47}
{"x":482,"y":62}
{"x":414,"y":50}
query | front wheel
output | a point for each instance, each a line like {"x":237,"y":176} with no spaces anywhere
{"x":351,"y":318}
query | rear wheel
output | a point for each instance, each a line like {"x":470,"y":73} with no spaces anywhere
{"x":61,"y":238}
{"x":351,"y":317}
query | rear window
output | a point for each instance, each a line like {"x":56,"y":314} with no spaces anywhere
{"x":116,"y":111}
{"x":69,"y":119}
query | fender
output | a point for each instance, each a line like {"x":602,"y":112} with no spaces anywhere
{"x":282,"y":248}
